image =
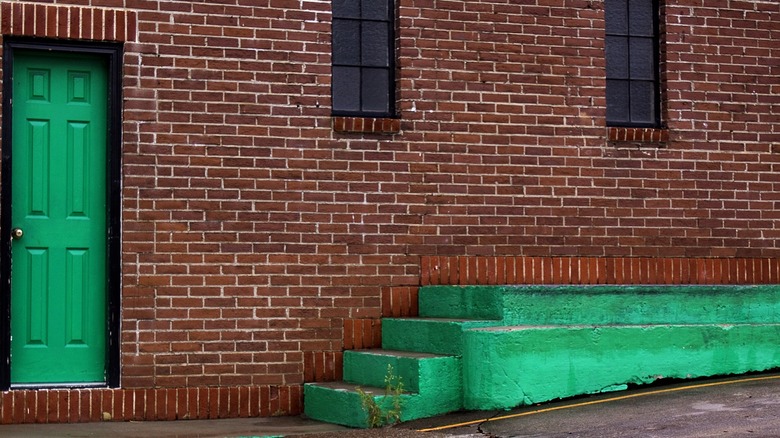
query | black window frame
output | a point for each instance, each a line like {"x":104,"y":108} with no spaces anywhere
{"x":626,"y":103}
{"x":341,"y":68}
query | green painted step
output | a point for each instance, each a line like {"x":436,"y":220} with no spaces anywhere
{"x":600,"y":304}
{"x":338,"y":403}
{"x":432,"y":385}
{"x":428,"y":335}
{"x":472,"y":302}
{"x":416,"y":370}
{"x":509,"y":366}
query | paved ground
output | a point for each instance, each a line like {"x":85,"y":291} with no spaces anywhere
{"x":746,"y":406}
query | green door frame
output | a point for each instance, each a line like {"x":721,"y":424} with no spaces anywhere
{"x":113,"y":55}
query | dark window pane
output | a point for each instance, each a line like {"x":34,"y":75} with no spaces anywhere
{"x":362,"y":51}
{"x":640,"y":17}
{"x":617,"y":57}
{"x":346,"y":42}
{"x":346,"y":90}
{"x":376,"y":10}
{"x":617,"y":102}
{"x":376,"y":90}
{"x":616,"y":14}
{"x":346,"y":8}
{"x":642,"y":54}
{"x":642,"y":102}
{"x":376,"y":44}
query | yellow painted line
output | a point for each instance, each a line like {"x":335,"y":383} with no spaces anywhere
{"x":595,"y":402}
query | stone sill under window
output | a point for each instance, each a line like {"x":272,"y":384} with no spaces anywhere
{"x":652,"y":137}
{"x":366,"y":125}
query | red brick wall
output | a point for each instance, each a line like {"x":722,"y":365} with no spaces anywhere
{"x":261,"y":236}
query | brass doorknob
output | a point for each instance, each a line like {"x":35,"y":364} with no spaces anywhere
{"x":17,"y":233}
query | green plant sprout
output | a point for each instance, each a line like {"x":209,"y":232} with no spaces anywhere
{"x":378,"y":414}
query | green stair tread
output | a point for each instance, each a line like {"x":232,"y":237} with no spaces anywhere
{"x":342,"y":386}
{"x":400,"y":353}
{"x":592,"y":326}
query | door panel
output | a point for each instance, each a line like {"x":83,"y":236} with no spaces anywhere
{"x":59,"y":193}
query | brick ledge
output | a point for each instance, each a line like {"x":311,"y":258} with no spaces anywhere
{"x":366,"y":125}
{"x":148,"y":404}
{"x":654,"y":136}
{"x":510,"y":270}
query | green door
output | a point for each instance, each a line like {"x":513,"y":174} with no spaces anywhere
{"x":59,"y":268}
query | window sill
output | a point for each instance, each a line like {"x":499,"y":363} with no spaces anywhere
{"x":638,"y":136}
{"x":366,"y":125}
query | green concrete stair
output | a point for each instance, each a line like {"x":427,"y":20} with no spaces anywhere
{"x":496,"y":347}
{"x":432,"y":385}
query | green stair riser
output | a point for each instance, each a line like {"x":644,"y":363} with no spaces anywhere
{"x":334,"y":406}
{"x":474,"y":302}
{"x":417,"y":373}
{"x":505,"y":368}
{"x":543,"y":305}
{"x":344,"y":407}
{"x":427,"y":335}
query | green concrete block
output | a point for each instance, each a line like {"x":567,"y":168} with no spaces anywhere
{"x":510,"y":366}
{"x":428,"y":335}
{"x":475,"y":302}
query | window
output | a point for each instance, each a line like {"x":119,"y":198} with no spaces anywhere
{"x":363,"y":58}
{"x":632,"y":63}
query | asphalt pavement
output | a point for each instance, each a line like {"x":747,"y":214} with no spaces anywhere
{"x":737,"y":406}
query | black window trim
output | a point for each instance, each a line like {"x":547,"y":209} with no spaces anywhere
{"x":391,"y":68}
{"x":657,"y":120}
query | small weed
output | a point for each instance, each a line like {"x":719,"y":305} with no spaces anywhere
{"x":379,"y":414}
